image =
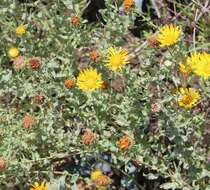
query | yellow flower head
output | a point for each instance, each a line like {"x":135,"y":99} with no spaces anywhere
{"x":192,"y":59}
{"x":117,"y":58}
{"x":168,"y":35}
{"x":20,"y":30}
{"x":200,"y":64}
{"x":42,"y":186}
{"x":95,"y":174}
{"x":188,"y":97}
{"x":89,"y":80}
{"x":13,"y":52}
{"x":184,"y":68}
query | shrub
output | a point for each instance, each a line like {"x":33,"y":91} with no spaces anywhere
{"x":77,"y":97}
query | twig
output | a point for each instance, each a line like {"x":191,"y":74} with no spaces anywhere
{"x":204,"y":9}
{"x":137,"y":50}
{"x":194,"y":29}
{"x":156,"y":8}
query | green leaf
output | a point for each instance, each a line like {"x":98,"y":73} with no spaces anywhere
{"x":205,"y":173}
{"x":152,"y":176}
{"x":169,"y":185}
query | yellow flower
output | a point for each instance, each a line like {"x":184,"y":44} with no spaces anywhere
{"x":200,"y":64}
{"x":117,"y":58}
{"x":13,"y":52}
{"x":95,"y":174}
{"x":188,"y":97}
{"x":89,"y":80}
{"x":184,"y":68}
{"x":42,"y":186}
{"x":192,"y":59}
{"x":168,"y":35}
{"x":20,"y":30}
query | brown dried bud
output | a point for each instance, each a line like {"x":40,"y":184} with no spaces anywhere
{"x":2,"y":164}
{"x":103,"y":180}
{"x":152,"y":41}
{"x":124,"y":142}
{"x":128,"y":4}
{"x":118,"y":84}
{"x":19,"y":62}
{"x":69,"y":83}
{"x":94,"y":55}
{"x":155,"y":107}
{"x":28,"y":121}
{"x":38,"y":99}
{"x":75,"y":20}
{"x":88,"y":138}
{"x":34,"y":63}
{"x":105,"y":85}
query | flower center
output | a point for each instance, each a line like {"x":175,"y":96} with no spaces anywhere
{"x":116,"y":60}
{"x":187,"y":99}
{"x":90,"y":82}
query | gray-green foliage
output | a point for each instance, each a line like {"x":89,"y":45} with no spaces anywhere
{"x":176,"y":150}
